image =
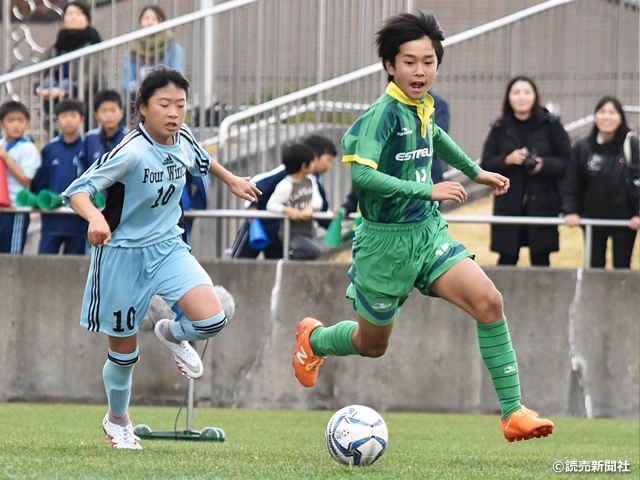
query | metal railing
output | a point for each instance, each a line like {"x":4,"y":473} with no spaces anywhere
{"x":587,"y":223}
{"x":236,"y":54}
{"x":477,"y":66}
{"x":551,"y":42}
{"x":101,"y":66}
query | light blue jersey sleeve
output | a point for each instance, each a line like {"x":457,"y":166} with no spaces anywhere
{"x":192,"y":150}
{"x":143,"y":181}
{"x":109,"y":169}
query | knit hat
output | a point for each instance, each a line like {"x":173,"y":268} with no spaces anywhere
{"x":82,"y":6}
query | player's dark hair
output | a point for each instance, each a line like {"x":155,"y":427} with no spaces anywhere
{"x":623,"y":128}
{"x":157,"y":78}
{"x":296,"y":155}
{"x":407,"y":27}
{"x":507,"y":109}
{"x":320,"y":145}
{"x":155,"y":9}
{"x":12,"y":106}
{"x":69,"y":105}
{"x":106,"y":96}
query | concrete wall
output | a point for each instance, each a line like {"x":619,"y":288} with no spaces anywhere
{"x":575,"y":333}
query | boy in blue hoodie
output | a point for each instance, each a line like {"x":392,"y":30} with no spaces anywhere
{"x":62,"y":163}
{"x":107,"y":108}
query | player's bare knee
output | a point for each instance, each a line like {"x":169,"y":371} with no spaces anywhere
{"x":373,"y":351}
{"x":490,"y":308}
{"x":495,"y":301}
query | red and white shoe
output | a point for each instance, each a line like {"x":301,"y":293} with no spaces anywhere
{"x":121,"y":437}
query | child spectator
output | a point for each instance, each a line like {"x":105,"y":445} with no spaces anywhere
{"x":22,"y":159}
{"x":324,"y":153}
{"x":298,"y":196}
{"x":107,"y":108}
{"x":61,"y":165}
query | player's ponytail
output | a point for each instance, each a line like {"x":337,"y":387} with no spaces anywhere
{"x":157,"y":78}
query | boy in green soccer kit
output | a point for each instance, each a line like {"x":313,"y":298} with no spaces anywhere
{"x":403,"y":240}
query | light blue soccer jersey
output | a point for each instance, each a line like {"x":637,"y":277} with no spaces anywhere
{"x":144,"y":182}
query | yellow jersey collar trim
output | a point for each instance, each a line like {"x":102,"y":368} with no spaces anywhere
{"x":424,"y":106}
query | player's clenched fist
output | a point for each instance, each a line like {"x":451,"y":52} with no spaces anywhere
{"x":99,"y":232}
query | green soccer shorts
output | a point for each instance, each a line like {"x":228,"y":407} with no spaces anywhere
{"x":389,"y":260}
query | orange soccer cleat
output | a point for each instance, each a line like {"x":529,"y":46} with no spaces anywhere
{"x":305,"y":363}
{"x":524,"y":424}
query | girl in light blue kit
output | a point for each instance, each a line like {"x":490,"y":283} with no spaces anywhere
{"x":137,"y":250}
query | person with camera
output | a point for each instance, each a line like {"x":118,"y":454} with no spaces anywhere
{"x":528,"y":145}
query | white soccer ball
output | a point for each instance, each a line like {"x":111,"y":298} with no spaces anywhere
{"x":356,"y":435}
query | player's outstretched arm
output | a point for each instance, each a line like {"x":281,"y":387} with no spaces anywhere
{"x":240,"y":186}
{"x":499,"y":183}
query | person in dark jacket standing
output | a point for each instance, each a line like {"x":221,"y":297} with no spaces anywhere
{"x":76,"y":33}
{"x":530,"y":147}
{"x":602,"y":182}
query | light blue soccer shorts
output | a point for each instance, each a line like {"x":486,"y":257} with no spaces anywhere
{"x":121,"y":282}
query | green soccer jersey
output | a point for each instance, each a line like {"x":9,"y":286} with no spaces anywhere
{"x":397,"y":137}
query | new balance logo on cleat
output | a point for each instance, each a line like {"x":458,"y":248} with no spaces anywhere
{"x":305,"y":362}
{"x":302,"y":355}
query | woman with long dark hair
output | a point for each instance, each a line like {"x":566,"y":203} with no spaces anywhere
{"x":529,"y":146}
{"x":602,"y":182}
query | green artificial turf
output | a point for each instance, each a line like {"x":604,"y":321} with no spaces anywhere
{"x":46,"y":441}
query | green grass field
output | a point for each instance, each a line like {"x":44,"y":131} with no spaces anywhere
{"x":66,"y":442}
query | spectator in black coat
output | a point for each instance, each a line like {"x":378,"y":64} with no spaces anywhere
{"x":76,"y":33}
{"x":602,"y":182}
{"x":530,"y":147}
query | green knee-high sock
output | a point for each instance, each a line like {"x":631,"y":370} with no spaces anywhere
{"x":335,"y":340}
{"x":500,"y":359}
